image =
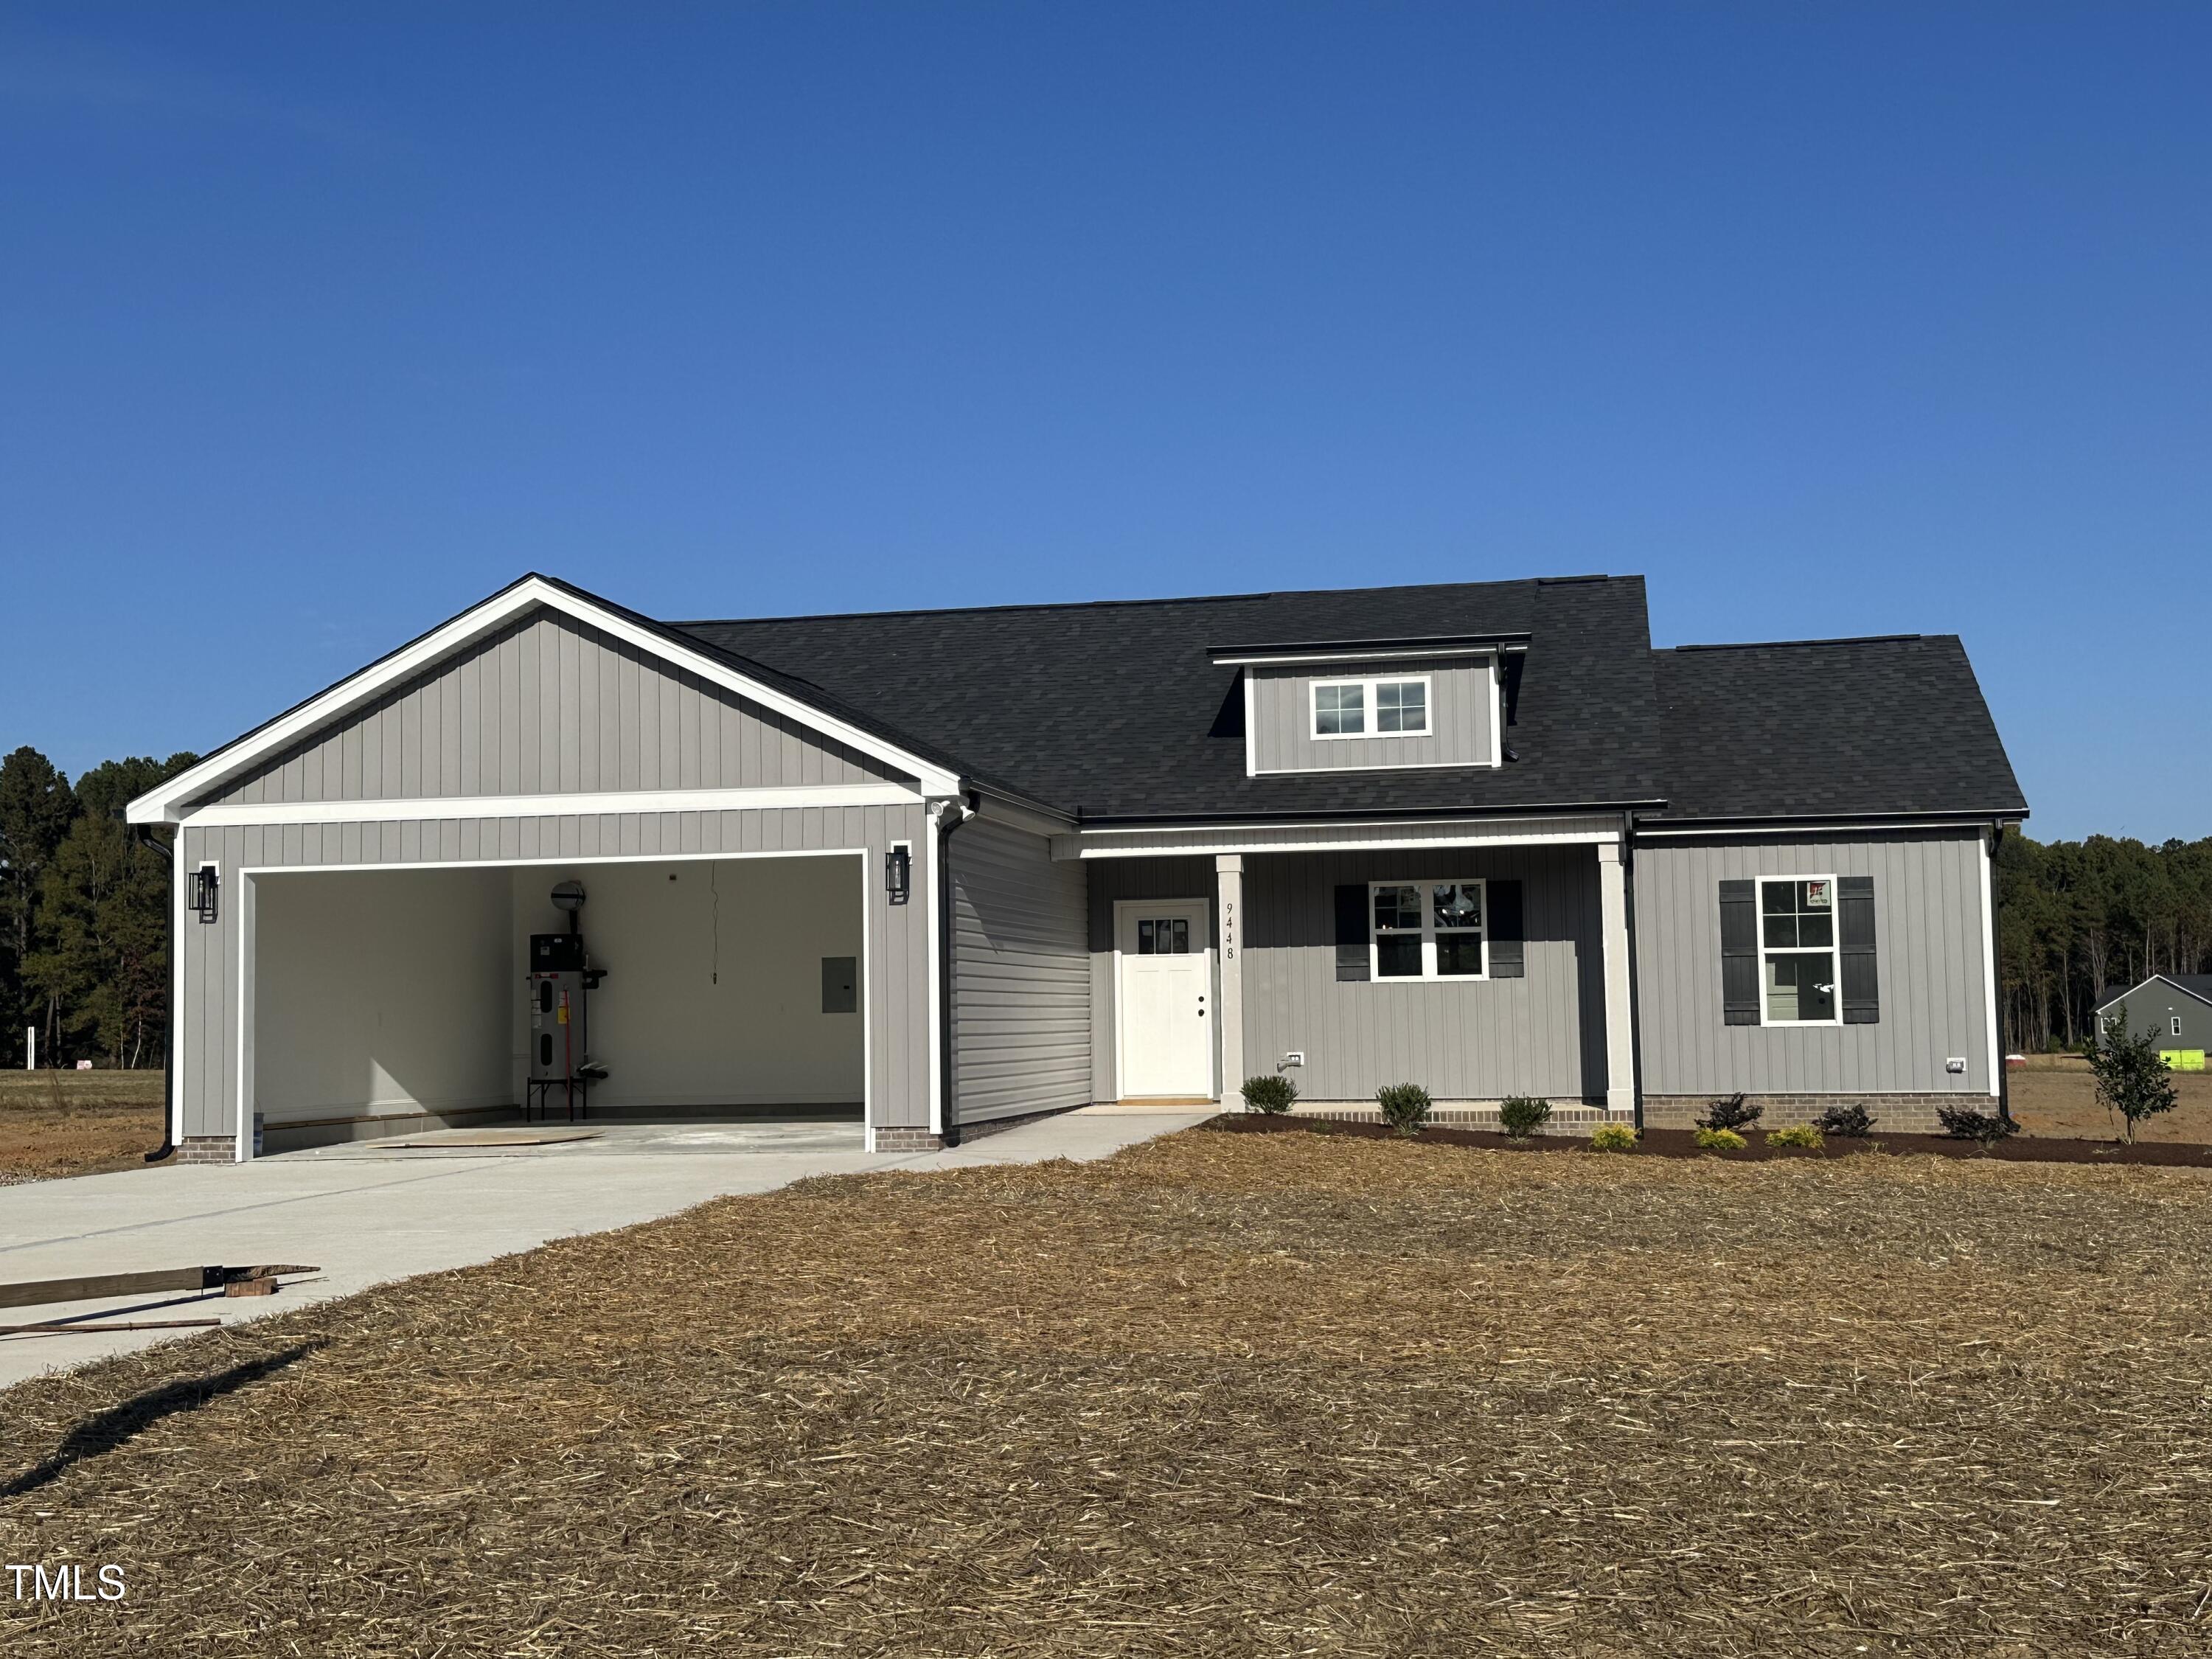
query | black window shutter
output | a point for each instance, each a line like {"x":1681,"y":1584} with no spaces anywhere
{"x":1854,"y":932}
{"x":1740,"y":953}
{"x":1351,"y":933}
{"x":1508,"y":958}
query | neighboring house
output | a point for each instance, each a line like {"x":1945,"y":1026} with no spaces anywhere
{"x":1479,"y":836}
{"x":2175,"y":1009}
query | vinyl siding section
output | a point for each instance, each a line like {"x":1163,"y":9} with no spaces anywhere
{"x":2152,"y":1007}
{"x":1021,"y":975}
{"x":550,"y":706}
{"x":1543,"y":1033}
{"x":1936,"y":1003}
{"x":895,"y":979}
{"x":1461,"y":719}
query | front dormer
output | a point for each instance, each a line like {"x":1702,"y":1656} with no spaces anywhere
{"x":1372,"y":705}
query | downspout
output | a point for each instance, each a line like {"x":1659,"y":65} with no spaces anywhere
{"x":949,"y":817}
{"x":144,"y":836}
{"x":1635,"y":1002}
{"x":1997,"y":977}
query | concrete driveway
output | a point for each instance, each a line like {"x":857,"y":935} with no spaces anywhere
{"x":366,"y":1214}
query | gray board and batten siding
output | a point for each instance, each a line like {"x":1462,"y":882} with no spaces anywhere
{"x":1930,"y":894}
{"x":1539,"y":1033}
{"x":1461,"y":717}
{"x":1020,"y":975}
{"x":550,"y":705}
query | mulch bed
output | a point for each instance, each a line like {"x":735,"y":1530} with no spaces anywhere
{"x":1227,"y":1394}
{"x":1682,"y":1143}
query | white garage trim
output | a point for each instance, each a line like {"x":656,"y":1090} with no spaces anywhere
{"x":243,"y":900}
{"x":428,"y":808}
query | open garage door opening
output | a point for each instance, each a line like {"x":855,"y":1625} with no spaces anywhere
{"x":390,"y":1001}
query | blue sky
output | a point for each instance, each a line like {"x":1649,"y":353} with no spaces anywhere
{"x":318,"y":323}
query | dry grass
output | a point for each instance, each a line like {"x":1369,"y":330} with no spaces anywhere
{"x":1222,"y":1394}
{"x":2055,"y":1094}
{"x":66,"y":1123}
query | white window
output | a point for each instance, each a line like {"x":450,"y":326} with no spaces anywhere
{"x":1797,"y":951}
{"x":1426,"y":930}
{"x":1371,"y":709}
{"x":2175,"y":1023}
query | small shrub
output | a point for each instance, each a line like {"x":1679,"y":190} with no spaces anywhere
{"x":1721,"y":1141}
{"x":1523,"y":1116}
{"x":1730,"y":1114}
{"x":1797,"y":1134}
{"x":1614,"y":1138}
{"x":2131,"y":1078}
{"x":1405,"y":1106}
{"x":1851,"y":1122}
{"x":1965,"y":1123}
{"x":1270,"y":1093}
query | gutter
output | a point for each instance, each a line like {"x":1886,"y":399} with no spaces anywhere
{"x":144,"y":836}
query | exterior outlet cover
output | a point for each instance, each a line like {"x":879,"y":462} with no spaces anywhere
{"x":1956,"y":1064}
{"x":1296,"y":1057}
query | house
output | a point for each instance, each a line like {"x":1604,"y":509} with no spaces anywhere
{"x":946,"y":869}
{"x":2175,"y":1009}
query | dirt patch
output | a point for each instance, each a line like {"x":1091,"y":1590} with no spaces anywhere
{"x":69,"y":1123}
{"x":2054,"y":1095}
{"x":1682,"y":1143}
{"x":1223,"y":1395}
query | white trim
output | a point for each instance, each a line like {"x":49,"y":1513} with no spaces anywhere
{"x":1202,"y":910}
{"x":1428,"y":976}
{"x":1370,"y":706}
{"x":1834,"y":950}
{"x":177,"y":1023}
{"x":428,"y":809}
{"x":242,"y":916}
{"x":162,"y":804}
{"x":1988,"y":960}
{"x":1356,"y":836}
{"x":1497,"y":710}
{"x":1394,"y":654}
{"x":1381,"y":766}
{"x":1251,"y":733}
{"x":867,"y":1012}
{"x":932,"y":837}
{"x":386,"y":868}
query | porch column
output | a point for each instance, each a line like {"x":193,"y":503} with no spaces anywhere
{"x":1229,"y":878}
{"x":1619,"y":1031}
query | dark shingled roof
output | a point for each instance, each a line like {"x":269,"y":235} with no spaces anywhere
{"x":1814,"y":727}
{"x":1115,"y":710}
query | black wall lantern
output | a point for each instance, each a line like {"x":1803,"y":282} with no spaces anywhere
{"x":200,"y":898}
{"x":898,"y":873}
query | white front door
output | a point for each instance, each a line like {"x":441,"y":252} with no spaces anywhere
{"x":1164,"y":997}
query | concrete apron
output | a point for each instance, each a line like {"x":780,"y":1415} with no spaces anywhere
{"x":366,"y":1217}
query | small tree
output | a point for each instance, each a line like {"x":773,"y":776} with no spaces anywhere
{"x":2131,"y":1079}
{"x":1270,"y":1093}
{"x":1523,"y":1115}
{"x":1404,"y":1107}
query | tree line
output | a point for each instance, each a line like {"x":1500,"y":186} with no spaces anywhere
{"x":84,"y":914}
{"x":2076,"y":918}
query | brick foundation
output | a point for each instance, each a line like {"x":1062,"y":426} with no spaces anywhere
{"x":207,"y":1149}
{"x":1901,"y":1115}
{"x":1568,"y":1117}
{"x":908,"y":1140}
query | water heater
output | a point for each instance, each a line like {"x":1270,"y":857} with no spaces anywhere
{"x":560,"y":976}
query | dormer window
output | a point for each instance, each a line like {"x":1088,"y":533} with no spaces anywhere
{"x":1371,"y":707}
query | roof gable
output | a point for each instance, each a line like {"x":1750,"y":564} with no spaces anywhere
{"x":330,"y":711}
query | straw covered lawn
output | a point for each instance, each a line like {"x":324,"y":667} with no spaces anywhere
{"x":1220,"y":1394}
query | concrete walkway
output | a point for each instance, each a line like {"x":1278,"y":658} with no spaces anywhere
{"x":367,"y":1216}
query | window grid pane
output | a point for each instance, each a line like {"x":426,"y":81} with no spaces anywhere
{"x":1340,"y":710}
{"x":1401,"y":706}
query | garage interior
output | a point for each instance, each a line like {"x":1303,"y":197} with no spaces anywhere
{"x":393,"y":1001}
